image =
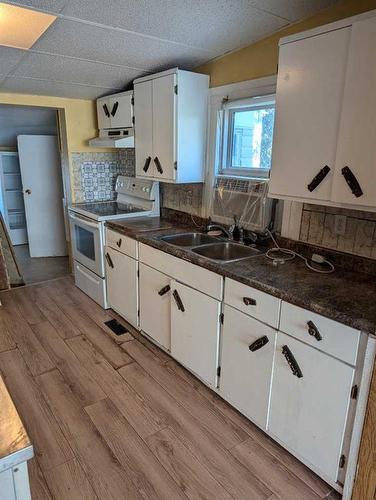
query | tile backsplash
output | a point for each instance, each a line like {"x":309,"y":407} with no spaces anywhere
{"x":359,"y":238}
{"x":94,"y":174}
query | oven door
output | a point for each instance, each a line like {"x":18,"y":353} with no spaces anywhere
{"x":87,"y":243}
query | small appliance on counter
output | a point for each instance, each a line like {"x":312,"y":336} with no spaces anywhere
{"x":134,"y":198}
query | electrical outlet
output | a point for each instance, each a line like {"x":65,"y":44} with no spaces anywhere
{"x":340,"y":224}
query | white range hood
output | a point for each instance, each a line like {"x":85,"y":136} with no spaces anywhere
{"x":123,"y":138}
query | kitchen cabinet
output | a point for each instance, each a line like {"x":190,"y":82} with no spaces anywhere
{"x":311,"y":74}
{"x":309,"y":408}
{"x":195,"y":331}
{"x":170,"y":126}
{"x":324,"y":117}
{"x":155,"y":292}
{"x":122,"y":284}
{"x":356,"y":148}
{"x":246,"y":364}
{"x":115,"y":111}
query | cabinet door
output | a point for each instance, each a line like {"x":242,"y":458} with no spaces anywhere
{"x":143,"y":112}
{"x":309,"y":414}
{"x":164,"y":126}
{"x":121,"y":111}
{"x":246,"y":374}
{"x":195,"y":330}
{"x":357,"y":135}
{"x":121,"y":280}
{"x":311,"y":77}
{"x":103,"y":113}
{"x":155,"y":305}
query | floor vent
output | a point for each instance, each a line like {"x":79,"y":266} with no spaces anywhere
{"x":116,"y":327}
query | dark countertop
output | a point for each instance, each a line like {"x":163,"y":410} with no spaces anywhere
{"x":344,"y":296}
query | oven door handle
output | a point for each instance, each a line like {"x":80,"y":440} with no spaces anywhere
{"x":83,"y":221}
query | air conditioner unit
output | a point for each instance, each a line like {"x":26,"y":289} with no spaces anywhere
{"x":244,"y":198}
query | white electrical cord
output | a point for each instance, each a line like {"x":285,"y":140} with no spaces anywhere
{"x":291,"y":255}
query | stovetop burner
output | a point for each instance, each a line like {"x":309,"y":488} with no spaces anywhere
{"x":108,"y":208}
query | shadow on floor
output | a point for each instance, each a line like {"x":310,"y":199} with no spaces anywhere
{"x":38,"y":269}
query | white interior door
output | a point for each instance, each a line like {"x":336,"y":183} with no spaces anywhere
{"x":155,"y":294}
{"x":121,"y":280}
{"x":246,"y":374}
{"x":195,"y":330}
{"x":43,"y":194}
{"x":143,"y":112}
{"x":311,"y":77}
{"x":164,"y":126}
{"x":309,"y":414}
{"x":357,"y":136}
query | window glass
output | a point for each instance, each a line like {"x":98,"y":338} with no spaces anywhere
{"x":247,"y":143}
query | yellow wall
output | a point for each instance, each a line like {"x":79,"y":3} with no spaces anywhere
{"x":261,"y":58}
{"x":80,"y":116}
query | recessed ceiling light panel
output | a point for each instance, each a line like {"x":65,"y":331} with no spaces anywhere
{"x":21,"y":28}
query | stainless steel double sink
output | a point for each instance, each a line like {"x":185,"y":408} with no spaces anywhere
{"x":210,"y":247}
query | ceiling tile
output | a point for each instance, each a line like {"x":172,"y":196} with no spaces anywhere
{"x":217,"y":25}
{"x":95,"y":43}
{"x":51,"y":6}
{"x":65,"y":69}
{"x":293,"y":10}
{"x":44,"y":87}
{"x":9,"y":58}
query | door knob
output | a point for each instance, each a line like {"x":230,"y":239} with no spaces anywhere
{"x":28,"y":191}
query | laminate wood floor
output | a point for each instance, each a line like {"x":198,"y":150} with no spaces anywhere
{"x":116,"y":418}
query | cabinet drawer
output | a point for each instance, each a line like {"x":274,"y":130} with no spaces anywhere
{"x":194,"y":276}
{"x":121,"y":243}
{"x":260,"y":305}
{"x":336,"y":339}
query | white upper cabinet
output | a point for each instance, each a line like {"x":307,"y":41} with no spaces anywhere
{"x":170,"y":126}
{"x":309,"y":90}
{"x":356,"y":148}
{"x":115,"y":111}
{"x":325,"y":123}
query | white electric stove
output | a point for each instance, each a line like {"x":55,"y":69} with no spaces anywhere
{"x":134,"y":198}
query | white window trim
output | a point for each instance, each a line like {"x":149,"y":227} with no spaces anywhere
{"x":236,"y":91}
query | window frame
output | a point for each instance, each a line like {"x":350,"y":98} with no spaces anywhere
{"x":226,"y":137}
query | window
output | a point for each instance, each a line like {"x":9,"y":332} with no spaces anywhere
{"x":247,"y":137}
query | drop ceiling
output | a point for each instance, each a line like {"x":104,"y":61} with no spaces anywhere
{"x":98,"y":47}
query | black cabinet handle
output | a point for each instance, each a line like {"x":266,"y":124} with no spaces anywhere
{"x":105,"y":109}
{"x":114,"y":108}
{"x":164,"y":290}
{"x":109,"y":260}
{"x":248,"y":301}
{"x":119,"y":241}
{"x":313,"y":330}
{"x":352,"y":182}
{"x":158,"y":165}
{"x":178,"y":301}
{"x":147,"y":164}
{"x":292,"y":362}
{"x":318,"y":178}
{"x":257,"y":344}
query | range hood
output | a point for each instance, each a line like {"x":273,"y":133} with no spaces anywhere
{"x":120,"y":138}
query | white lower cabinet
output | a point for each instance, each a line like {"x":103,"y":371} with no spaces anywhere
{"x":246,"y":364}
{"x":308,"y":413}
{"x":155,"y":294}
{"x":121,"y":280}
{"x":195,"y":330}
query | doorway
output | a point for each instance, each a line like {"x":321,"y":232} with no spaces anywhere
{"x":32,"y":192}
